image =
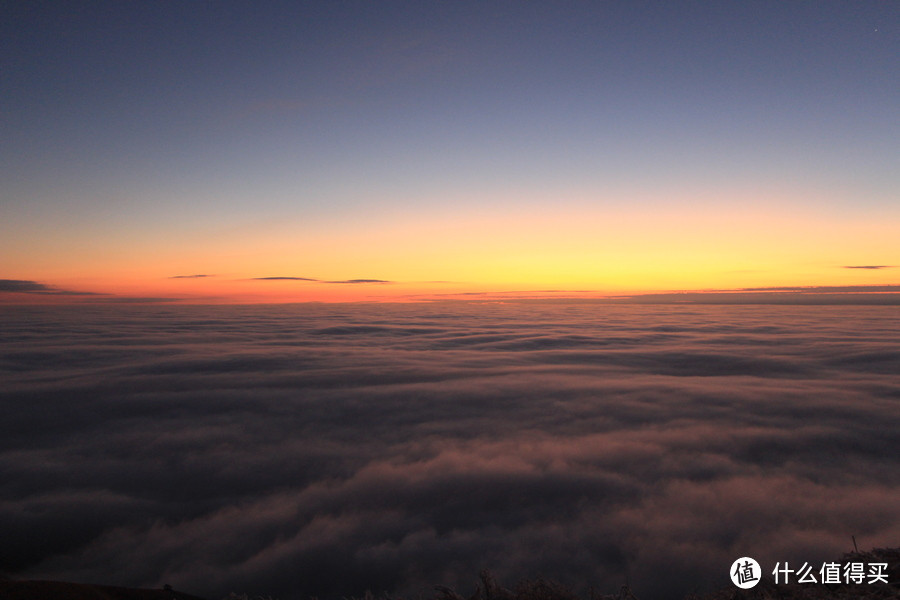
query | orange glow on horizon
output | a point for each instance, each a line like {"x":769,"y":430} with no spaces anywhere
{"x":580,"y":248}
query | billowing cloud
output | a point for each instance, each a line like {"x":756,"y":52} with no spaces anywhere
{"x":325,"y":450}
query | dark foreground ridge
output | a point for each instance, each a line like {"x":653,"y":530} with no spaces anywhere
{"x":768,"y":590}
{"x":765,"y":590}
{"x":488,"y":589}
{"x":60,"y":590}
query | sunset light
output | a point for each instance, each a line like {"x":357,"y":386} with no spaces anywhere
{"x":577,"y":149}
{"x":449,"y":299}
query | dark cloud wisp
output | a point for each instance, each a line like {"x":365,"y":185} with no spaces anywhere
{"x":360,"y":281}
{"x":873,"y":267}
{"x":23,"y":286}
{"x":284,"y":279}
{"x":320,"y":280}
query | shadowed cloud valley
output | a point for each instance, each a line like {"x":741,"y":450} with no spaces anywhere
{"x":325,"y":450}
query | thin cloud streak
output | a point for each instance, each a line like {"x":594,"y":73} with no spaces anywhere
{"x":785,"y":295}
{"x":873,"y":267}
{"x":352,"y":281}
{"x":284,"y":279}
{"x":836,"y":289}
{"x":138,"y":300}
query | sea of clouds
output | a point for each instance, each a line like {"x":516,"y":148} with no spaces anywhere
{"x":331,"y":449}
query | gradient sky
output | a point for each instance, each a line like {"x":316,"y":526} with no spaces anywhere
{"x":394,"y":149}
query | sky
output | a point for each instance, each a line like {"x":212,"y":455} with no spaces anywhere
{"x":293,"y":151}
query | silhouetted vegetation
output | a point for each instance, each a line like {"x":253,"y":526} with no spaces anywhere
{"x":767,"y":589}
{"x":536,"y":589}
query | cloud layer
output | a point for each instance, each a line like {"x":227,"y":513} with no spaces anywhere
{"x":326,"y":450}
